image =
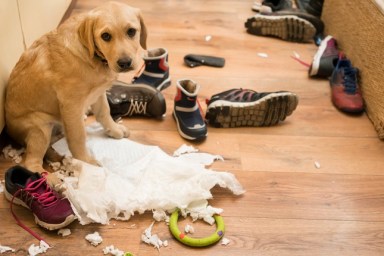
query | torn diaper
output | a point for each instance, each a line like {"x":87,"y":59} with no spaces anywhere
{"x":138,"y":178}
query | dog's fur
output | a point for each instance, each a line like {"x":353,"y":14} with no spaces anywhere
{"x":66,"y":71}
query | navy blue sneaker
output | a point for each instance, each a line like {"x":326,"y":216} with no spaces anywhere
{"x":156,"y":71}
{"x":187,"y":111}
{"x":242,"y":107}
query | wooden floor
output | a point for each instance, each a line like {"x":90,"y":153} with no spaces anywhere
{"x":290,"y":207}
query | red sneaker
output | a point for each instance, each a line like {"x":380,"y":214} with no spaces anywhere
{"x":346,"y":94}
{"x":30,"y":189}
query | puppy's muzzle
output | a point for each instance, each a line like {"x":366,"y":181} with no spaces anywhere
{"x":124,"y":64}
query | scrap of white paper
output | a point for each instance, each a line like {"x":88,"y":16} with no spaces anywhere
{"x":94,"y":238}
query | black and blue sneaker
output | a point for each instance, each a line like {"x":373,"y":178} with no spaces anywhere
{"x":156,"y":70}
{"x":244,"y":107}
{"x":187,"y":111}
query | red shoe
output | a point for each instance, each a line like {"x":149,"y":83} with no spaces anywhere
{"x":346,"y":94}
{"x":30,"y":189}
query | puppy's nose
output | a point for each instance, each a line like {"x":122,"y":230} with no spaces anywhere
{"x":124,"y":63}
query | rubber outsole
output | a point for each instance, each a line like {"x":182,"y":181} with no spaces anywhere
{"x":286,"y":27}
{"x":69,"y":219}
{"x":267,"y":111}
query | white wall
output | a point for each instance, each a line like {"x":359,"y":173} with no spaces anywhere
{"x":22,"y":22}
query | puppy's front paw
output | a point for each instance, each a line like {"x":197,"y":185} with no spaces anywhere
{"x":118,"y":131}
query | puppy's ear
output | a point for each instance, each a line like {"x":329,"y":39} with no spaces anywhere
{"x":143,"y":33}
{"x":85,"y":33}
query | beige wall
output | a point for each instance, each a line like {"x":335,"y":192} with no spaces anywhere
{"x":22,"y":22}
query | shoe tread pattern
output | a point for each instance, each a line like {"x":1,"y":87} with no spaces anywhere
{"x":289,"y":28}
{"x":266,"y":113}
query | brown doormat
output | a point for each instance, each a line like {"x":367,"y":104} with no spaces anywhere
{"x":358,"y":27}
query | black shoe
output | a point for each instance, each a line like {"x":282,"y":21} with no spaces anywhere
{"x":315,"y":21}
{"x":238,"y":107}
{"x":135,"y":99}
{"x":272,"y":5}
{"x":286,"y":27}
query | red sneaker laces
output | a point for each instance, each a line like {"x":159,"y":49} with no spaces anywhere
{"x":46,"y":199}
{"x":138,"y":73}
{"x":301,"y":61}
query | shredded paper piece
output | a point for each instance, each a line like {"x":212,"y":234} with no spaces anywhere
{"x":225,"y":241}
{"x":154,"y":240}
{"x":94,"y":238}
{"x":113,"y":251}
{"x":262,"y":55}
{"x":317,"y":165}
{"x":37,"y":249}
{"x":14,"y":154}
{"x":189,"y":229}
{"x":64,"y":232}
{"x":6,"y":249}
{"x":184,"y":149}
{"x":137,"y":178}
{"x":208,"y":38}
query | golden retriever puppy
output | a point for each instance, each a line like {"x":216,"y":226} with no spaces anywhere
{"x":66,"y":71}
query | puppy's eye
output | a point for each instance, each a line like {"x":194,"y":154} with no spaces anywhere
{"x":131,"y":32}
{"x":106,"y":37}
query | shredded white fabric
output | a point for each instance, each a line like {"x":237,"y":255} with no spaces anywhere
{"x":37,"y":249}
{"x":94,"y":238}
{"x":6,"y":249}
{"x":139,"y":178}
{"x":113,"y":251}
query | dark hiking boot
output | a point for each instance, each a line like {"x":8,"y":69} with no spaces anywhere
{"x":127,"y":100}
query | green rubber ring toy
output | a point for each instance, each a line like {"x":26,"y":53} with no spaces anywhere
{"x":196,"y":242}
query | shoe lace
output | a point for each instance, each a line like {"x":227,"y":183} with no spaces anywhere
{"x":350,"y":84}
{"x":138,"y":73}
{"x":301,"y":61}
{"x":29,"y":194}
{"x":137,"y":107}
